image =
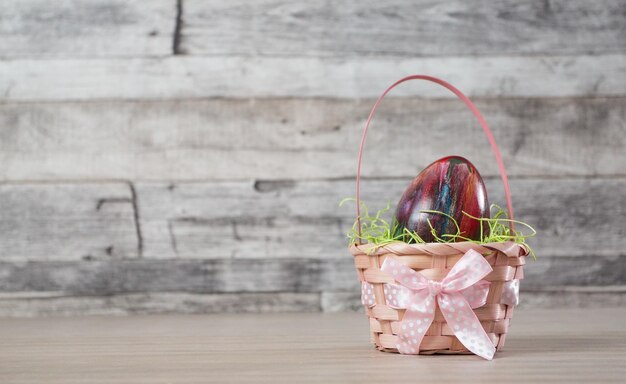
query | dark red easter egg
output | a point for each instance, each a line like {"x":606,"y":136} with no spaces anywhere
{"x":451,"y":185}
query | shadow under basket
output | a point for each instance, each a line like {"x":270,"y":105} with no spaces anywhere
{"x":434,"y":261}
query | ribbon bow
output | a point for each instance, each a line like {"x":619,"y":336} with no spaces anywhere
{"x":459,"y":292}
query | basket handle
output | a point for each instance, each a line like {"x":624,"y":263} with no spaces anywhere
{"x":477,"y":114}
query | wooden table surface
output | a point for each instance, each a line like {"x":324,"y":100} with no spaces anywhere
{"x":583,"y":345}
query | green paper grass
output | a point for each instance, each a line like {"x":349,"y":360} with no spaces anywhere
{"x":378,"y":231}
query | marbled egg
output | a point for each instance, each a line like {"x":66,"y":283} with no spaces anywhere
{"x":451,"y":185}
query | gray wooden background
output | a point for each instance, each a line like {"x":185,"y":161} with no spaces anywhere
{"x":188,"y":155}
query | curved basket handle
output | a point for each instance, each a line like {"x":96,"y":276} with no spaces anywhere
{"x":472,"y":107}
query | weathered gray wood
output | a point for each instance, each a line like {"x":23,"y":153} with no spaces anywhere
{"x":574,"y":217}
{"x":341,"y":301}
{"x":295,"y":138}
{"x":107,"y":277}
{"x":67,"y":222}
{"x":401,"y":27}
{"x":201,"y":77}
{"x":286,"y":237}
{"x":283,"y":89}
{"x":270,"y":219}
{"x":574,"y":297}
{"x":33,"y":304}
{"x":56,"y":304}
{"x":244,"y":219}
{"x":94,"y":28}
{"x":559,"y":297}
{"x":295,"y":275}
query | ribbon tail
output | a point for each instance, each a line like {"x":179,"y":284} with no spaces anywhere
{"x":416,"y":321}
{"x":465,"y":325}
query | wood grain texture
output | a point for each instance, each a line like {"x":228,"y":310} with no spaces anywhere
{"x":402,"y":28}
{"x":235,"y":276}
{"x":80,"y":28}
{"x":188,"y":155}
{"x":52,"y":303}
{"x":269,"y":219}
{"x":575,"y":297}
{"x":241,"y":77}
{"x":297,"y":275}
{"x":61,"y":221}
{"x":575,"y":217}
{"x":543,"y":297}
{"x":33,"y":304}
{"x":566,"y":346}
{"x":294,"y":138}
{"x":234,"y":237}
{"x":247,"y":238}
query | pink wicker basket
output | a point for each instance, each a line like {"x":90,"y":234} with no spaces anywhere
{"x":434,"y":261}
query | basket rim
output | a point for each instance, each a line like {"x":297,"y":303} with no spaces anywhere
{"x":509,"y":248}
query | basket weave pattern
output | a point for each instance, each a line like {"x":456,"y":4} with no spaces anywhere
{"x":434,"y":260}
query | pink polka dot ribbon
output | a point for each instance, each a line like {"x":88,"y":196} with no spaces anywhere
{"x":510,"y":293}
{"x":459,"y":292}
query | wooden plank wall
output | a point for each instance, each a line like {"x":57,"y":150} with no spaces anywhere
{"x":188,"y":156}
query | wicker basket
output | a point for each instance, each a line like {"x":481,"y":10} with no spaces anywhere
{"x":434,"y":260}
